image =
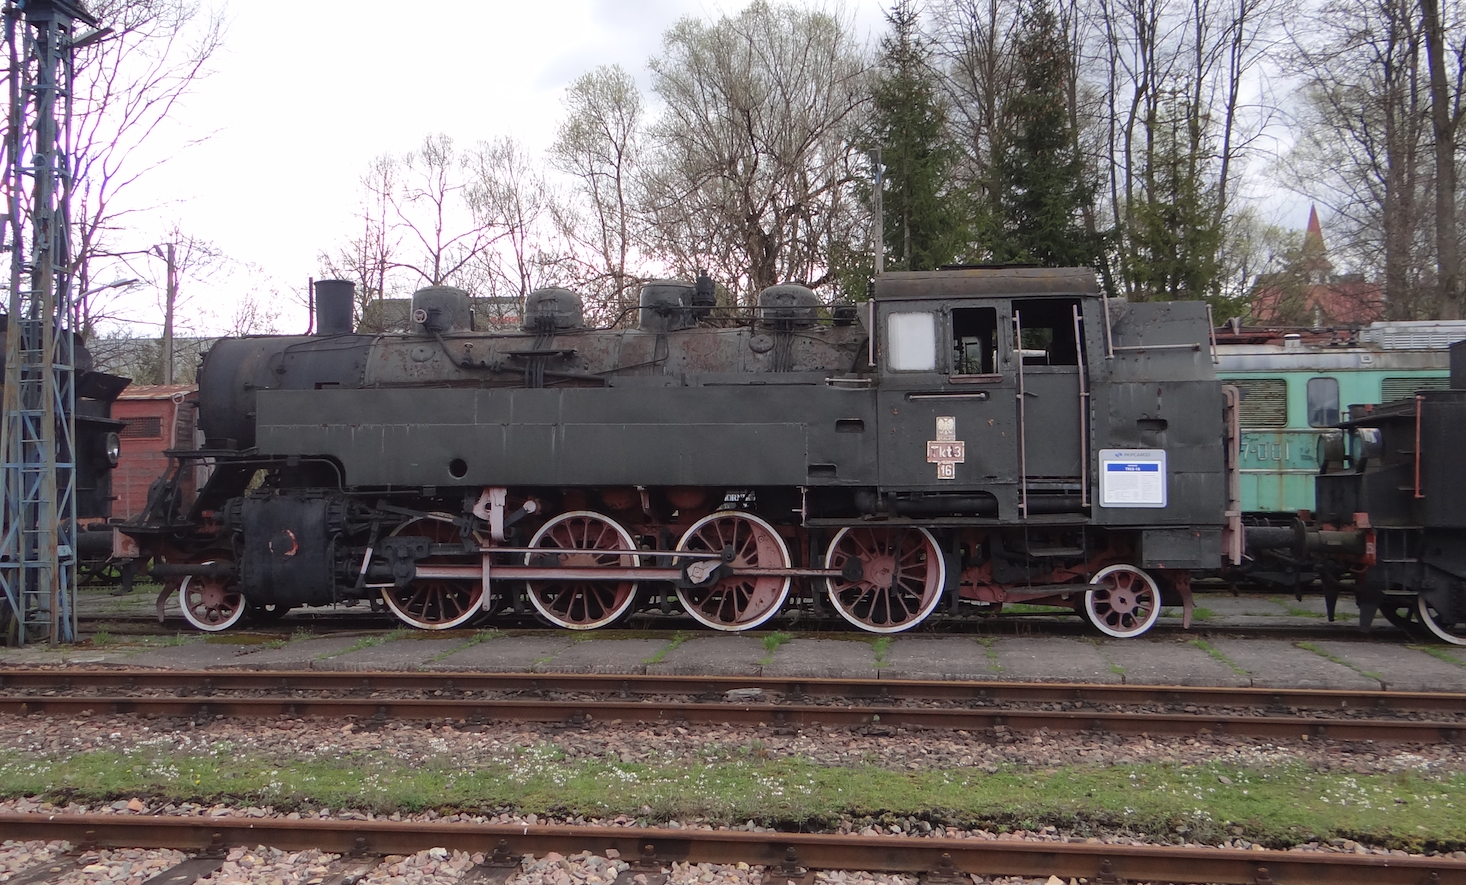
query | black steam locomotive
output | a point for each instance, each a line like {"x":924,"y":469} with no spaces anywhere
{"x":965,"y":439}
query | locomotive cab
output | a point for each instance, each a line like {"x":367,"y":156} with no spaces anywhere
{"x":975,"y":360}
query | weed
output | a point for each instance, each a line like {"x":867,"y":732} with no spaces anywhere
{"x":771,"y":643}
{"x":880,"y":646}
{"x":364,"y":642}
{"x":661,"y":653}
{"x":477,"y":637}
{"x":992,"y":654}
{"x":102,"y":639}
{"x":1217,"y":654}
{"x":1439,"y":653}
{"x":1314,"y":647}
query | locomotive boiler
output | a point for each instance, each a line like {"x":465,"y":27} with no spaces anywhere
{"x":964,"y":439}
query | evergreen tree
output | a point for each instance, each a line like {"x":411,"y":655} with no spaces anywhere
{"x":1039,"y":185}
{"x":1173,"y":230}
{"x":924,"y":224}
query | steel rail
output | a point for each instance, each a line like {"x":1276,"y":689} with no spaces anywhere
{"x":580,"y":711}
{"x":621,"y":685}
{"x":806,"y":851}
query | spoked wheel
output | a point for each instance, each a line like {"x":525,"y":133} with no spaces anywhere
{"x":1445,"y":628}
{"x":902,"y":574}
{"x":737,"y":602}
{"x":1124,"y":601}
{"x":210,"y":604}
{"x":581,"y":539}
{"x":435,"y":603}
{"x":1404,"y":612}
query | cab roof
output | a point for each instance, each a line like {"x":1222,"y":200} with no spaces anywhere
{"x":987,"y":282}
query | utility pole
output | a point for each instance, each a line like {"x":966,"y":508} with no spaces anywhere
{"x":878,"y":210}
{"x":171,"y":295}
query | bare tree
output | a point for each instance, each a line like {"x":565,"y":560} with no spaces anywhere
{"x":129,"y":83}
{"x":599,"y":144}
{"x":366,"y":258}
{"x":1363,"y":141}
{"x":751,"y":168}
{"x":509,"y":197}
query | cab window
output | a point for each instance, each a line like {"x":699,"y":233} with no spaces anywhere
{"x":974,"y":341}
{"x":1323,"y":402}
{"x":911,"y":342}
{"x":1047,"y":326}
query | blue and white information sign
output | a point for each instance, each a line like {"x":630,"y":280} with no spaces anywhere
{"x":1132,"y":478}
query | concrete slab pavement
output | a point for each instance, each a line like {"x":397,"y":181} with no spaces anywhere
{"x":504,"y":654}
{"x":1053,"y":659}
{"x":824,"y":659}
{"x":1276,"y":663}
{"x":1168,"y":662}
{"x":715,"y":655}
{"x":947,"y":657}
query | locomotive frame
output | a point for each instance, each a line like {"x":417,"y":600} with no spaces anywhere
{"x":1005,"y":434}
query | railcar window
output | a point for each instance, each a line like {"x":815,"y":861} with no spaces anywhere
{"x":911,"y":342}
{"x":1391,"y":389}
{"x":1048,"y":331}
{"x":1264,"y":401}
{"x":975,"y":341}
{"x":1323,"y":402}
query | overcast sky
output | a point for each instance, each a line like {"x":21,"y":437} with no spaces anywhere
{"x":304,"y":95}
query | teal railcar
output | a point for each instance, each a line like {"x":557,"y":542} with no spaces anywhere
{"x":1293,"y":386}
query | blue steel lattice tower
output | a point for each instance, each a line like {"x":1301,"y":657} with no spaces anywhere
{"x":38,"y":432}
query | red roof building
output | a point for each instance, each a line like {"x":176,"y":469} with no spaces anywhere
{"x":159,"y":417}
{"x":1311,"y":294}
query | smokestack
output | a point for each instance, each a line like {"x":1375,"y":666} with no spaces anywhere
{"x":334,"y":299}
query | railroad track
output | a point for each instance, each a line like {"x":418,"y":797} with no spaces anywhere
{"x":884,"y":704}
{"x":789,"y":856}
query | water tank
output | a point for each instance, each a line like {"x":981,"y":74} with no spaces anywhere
{"x":788,"y":306}
{"x":553,"y":309}
{"x":440,"y":309}
{"x":666,"y":306}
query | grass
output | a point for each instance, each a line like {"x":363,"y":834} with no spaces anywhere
{"x":1439,"y":653}
{"x":677,"y":639}
{"x":1316,"y":649}
{"x":771,"y":644}
{"x":881,"y":645}
{"x":1276,"y":805}
{"x":477,"y":637}
{"x":990,"y":647}
{"x":1217,"y":653}
{"x":364,"y":642}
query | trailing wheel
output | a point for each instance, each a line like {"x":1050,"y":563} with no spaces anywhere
{"x":582,"y":539}
{"x":1444,"y":626}
{"x":1123,"y":601}
{"x":435,"y":603}
{"x":902,"y":574}
{"x":1404,"y":612}
{"x":210,"y":604}
{"x":737,"y":602}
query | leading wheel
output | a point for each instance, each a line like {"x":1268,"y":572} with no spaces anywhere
{"x":737,"y":602}
{"x":435,"y":603}
{"x":1445,"y":628}
{"x":210,"y":604}
{"x":1124,"y":601}
{"x":582,"y":539}
{"x":902,"y":574}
